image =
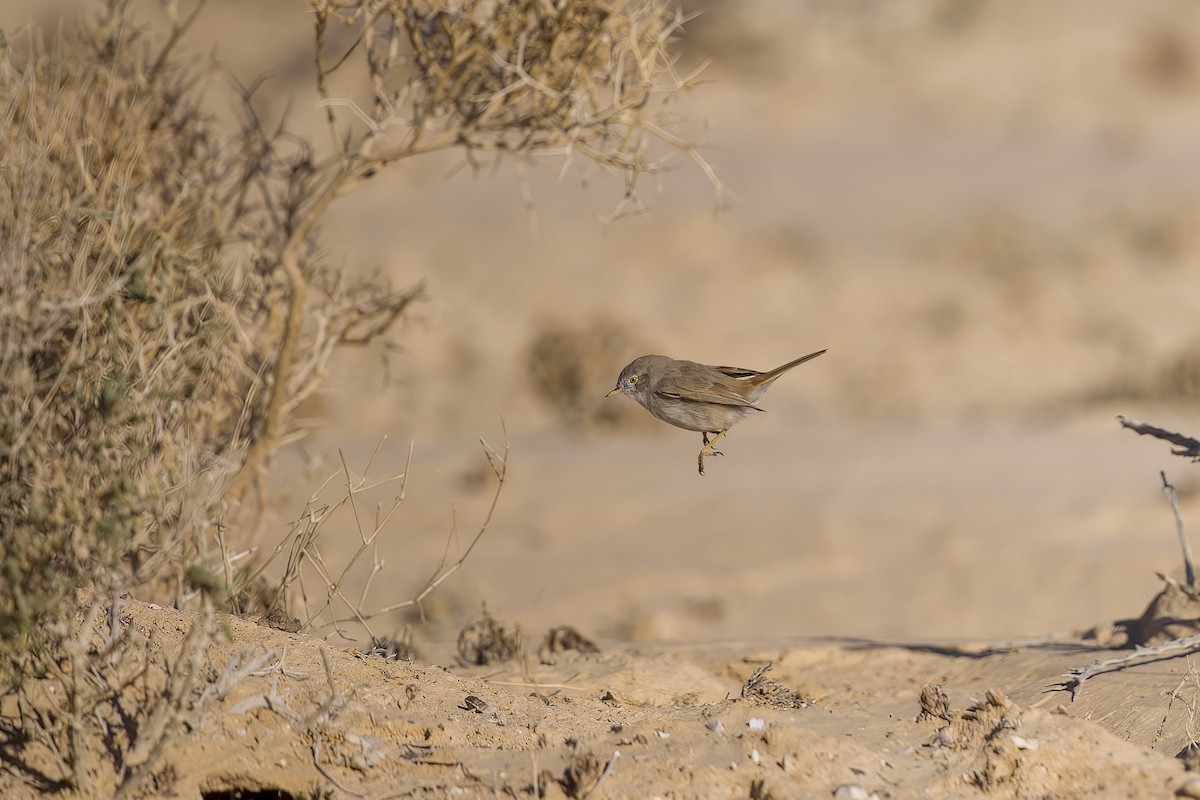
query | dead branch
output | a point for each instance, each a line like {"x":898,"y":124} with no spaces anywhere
{"x":1189,"y":447}
{"x":1145,"y":655}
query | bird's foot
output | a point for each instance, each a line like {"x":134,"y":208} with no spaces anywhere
{"x":700,"y":458}
{"x":707,"y":449}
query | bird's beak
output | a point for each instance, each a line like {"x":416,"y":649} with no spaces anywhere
{"x":615,"y":389}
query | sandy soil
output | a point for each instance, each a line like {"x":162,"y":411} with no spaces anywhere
{"x":987,"y":212}
{"x":676,"y":717}
{"x":831,"y":717}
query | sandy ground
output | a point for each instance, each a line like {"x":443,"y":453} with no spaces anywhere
{"x":987,"y":212}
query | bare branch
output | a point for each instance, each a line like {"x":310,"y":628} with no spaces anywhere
{"x":1145,"y":655}
{"x":1189,"y":447}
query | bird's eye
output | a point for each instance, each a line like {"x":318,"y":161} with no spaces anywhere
{"x":632,"y":380}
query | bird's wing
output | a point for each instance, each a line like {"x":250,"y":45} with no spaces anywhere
{"x":704,"y":391}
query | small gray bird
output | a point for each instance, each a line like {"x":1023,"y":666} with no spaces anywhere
{"x":697,"y":397}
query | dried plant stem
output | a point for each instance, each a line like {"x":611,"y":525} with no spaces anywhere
{"x":1184,"y":544}
{"x":499,"y":464}
{"x":1145,"y":655}
{"x":336,"y":607}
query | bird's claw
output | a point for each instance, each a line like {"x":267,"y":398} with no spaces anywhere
{"x":700,"y":458}
{"x":707,"y":449}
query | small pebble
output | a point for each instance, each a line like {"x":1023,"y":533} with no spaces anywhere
{"x":755,"y":757}
{"x":715,"y":725}
{"x":1025,"y":744}
{"x":851,"y":791}
{"x":756,"y":723}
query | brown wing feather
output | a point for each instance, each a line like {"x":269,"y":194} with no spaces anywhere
{"x":704,"y":391}
{"x":717,"y":397}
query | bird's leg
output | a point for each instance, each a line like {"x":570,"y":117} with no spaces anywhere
{"x":707,"y":450}
{"x":708,"y":445}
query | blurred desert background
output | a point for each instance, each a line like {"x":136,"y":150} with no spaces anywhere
{"x":987,"y":212}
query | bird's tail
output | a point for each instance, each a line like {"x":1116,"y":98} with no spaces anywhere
{"x":760,"y":381}
{"x":767,"y":377}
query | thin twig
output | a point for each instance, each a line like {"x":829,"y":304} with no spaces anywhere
{"x":499,"y":463}
{"x":1184,"y":544}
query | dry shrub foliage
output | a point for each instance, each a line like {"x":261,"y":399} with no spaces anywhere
{"x":146,"y":291}
{"x":590,"y":82}
{"x":127,"y":339}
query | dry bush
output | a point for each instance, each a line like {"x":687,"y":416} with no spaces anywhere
{"x":590,"y":83}
{"x":486,"y":640}
{"x":567,"y":361}
{"x":146,"y":259}
{"x":564,"y":639}
{"x":102,"y":716}
{"x":128,"y":346}
{"x":767,"y":692}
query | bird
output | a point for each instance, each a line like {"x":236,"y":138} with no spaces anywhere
{"x":698,"y":397}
